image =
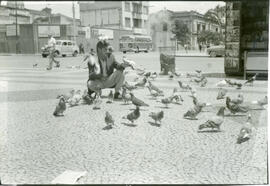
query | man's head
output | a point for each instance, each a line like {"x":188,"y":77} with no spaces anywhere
{"x":102,"y":47}
{"x":50,"y":35}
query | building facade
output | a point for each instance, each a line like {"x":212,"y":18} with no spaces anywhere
{"x":161,"y":24}
{"x":122,"y":15}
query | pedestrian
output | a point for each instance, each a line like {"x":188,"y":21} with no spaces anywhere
{"x":51,"y":47}
{"x":81,"y":48}
{"x":200,"y":47}
{"x":108,"y":73}
{"x":186,"y":48}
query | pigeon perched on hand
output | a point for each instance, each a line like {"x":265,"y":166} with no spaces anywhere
{"x":184,"y":86}
{"x":60,"y":107}
{"x":215,"y":121}
{"x":245,"y":132}
{"x":157,"y":116}
{"x":110,"y":97}
{"x":129,"y":62}
{"x":221,"y":93}
{"x":235,"y":108}
{"x":137,"y":102}
{"x":109,"y":120}
{"x":133,"y":115}
{"x":141,"y":83}
{"x":74,"y":101}
{"x":194,"y":111}
{"x":251,"y":80}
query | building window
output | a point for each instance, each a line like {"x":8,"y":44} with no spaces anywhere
{"x":165,"y":27}
{"x":145,"y":10}
{"x":198,"y":27}
{"x":137,"y":8}
{"x":127,"y":6}
{"x":203,"y":27}
{"x":137,"y":23}
{"x":127,"y":22}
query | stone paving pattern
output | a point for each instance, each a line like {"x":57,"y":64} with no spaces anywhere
{"x":35,"y":147}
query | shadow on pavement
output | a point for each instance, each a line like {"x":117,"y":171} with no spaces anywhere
{"x":154,"y":124}
{"x":129,"y":124}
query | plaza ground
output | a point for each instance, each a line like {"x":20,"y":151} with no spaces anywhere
{"x":36,"y":147}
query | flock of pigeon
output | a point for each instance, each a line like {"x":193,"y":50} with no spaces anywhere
{"x":146,"y":79}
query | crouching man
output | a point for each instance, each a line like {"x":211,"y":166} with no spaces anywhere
{"x":105,"y":72}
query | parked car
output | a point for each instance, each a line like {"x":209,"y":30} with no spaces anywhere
{"x":215,"y":51}
{"x":63,"y":48}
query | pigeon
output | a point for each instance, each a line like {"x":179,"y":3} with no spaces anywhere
{"x":238,"y":85}
{"x":194,"y":111}
{"x":157,"y":116}
{"x":170,"y":75}
{"x":35,"y":65}
{"x":133,"y":115}
{"x":74,"y":101}
{"x":199,"y":80}
{"x":221,"y":83}
{"x":251,"y":80}
{"x":177,"y":98}
{"x":126,"y":97}
{"x":238,"y":100}
{"x":137,"y":102}
{"x":193,"y":91}
{"x":86,"y":98}
{"x":153,"y":93}
{"x":261,"y":102}
{"x":235,"y":108}
{"x":184,"y":86}
{"x":60,"y":108}
{"x":147,"y":75}
{"x":215,"y":121}
{"x":109,"y":120}
{"x":67,"y":96}
{"x":129,"y":62}
{"x":153,"y":87}
{"x":221,"y":94}
{"x":204,"y":82}
{"x":245,"y":132}
{"x":141,"y":83}
{"x":128,"y":86}
{"x":166,"y":101}
{"x":110,"y":97}
{"x":229,"y":82}
{"x":198,"y":71}
{"x":153,"y":76}
{"x":97,"y":102}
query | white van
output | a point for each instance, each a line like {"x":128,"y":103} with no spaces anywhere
{"x":63,"y":48}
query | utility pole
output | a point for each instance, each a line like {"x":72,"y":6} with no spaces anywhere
{"x":16,"y":24}
{"x":73,"y":11}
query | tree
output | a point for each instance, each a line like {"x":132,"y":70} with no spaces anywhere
{"x":181,"y":31}
{"x":215,"y":15}
{"x":208,"y":37}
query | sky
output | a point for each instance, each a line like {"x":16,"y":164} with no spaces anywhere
{"x":66,"y":7}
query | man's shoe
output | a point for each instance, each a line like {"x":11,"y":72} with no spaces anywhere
{"x":117,"y":96}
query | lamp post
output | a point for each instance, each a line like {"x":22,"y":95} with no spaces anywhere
{"x":73,"y":12}
{"x":16,"y":24}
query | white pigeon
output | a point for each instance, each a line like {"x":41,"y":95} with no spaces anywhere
{"x":222,"y":83}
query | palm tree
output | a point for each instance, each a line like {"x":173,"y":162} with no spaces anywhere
{"x":215,"y":15}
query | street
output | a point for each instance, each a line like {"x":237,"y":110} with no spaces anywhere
{"x":36,"y":147}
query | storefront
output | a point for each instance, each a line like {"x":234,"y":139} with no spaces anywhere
{"x":246,"y":45}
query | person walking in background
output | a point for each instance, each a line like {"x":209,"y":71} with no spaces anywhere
{"x":81,"y":48}
{"x":51,"y":47}
{"x":200,"y":47}
{"x":186,"y":48}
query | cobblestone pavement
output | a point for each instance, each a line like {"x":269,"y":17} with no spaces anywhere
{"x":36,"y":147}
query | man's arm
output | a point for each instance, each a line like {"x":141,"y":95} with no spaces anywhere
{"x":117,"y":65}
{"x":95,"y":74}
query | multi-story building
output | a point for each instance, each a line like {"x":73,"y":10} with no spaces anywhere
{"x":124,"y":15}
{"x":161,"y":25}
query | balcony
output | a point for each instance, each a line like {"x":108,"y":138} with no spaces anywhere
{"x":137,"y":15}
{"x":139,"y":31}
